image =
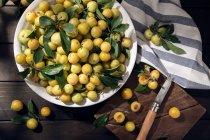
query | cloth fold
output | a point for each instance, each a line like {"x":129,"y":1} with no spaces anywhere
{"x":188,"y":70}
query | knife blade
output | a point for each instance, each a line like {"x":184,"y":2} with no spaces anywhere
{"x":147,"y":124}
{"x":163,"y":91}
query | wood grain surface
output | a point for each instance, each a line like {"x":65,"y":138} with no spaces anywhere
{"x":76,"y":124}
{"x":164,"y":126}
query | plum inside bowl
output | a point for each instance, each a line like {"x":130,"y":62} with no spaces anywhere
{"x":107,"y":92}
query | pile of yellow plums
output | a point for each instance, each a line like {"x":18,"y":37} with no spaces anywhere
{"x":82,"y":65}
{"x":150,"y":80}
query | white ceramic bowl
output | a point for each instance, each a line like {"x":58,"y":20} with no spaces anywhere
{"x":106,"y":93}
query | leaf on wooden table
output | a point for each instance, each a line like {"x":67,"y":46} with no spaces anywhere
{"x":101,"y":121}
{"x":20,"y":119}
{"x":141,"y":88}
{"x":31,"y":106}
{"x":24,"y":73}
{"x":52,"y":69}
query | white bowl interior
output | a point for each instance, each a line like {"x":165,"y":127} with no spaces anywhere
{"x":106,"y":93}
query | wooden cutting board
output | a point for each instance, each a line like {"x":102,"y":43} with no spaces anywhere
{"x":164,"y":126}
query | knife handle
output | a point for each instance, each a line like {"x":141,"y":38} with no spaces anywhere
{"x":148,"y":121}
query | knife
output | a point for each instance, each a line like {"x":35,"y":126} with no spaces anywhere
{"x":148,"y":121}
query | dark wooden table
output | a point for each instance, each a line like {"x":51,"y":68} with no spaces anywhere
{"x":76,"y":124}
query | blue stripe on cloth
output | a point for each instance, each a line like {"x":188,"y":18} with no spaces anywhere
{"x":179,"y":60}
{"x":189,"y":84}
{"x":152,"y":58}
{"x":163,"y":18}
{"x":180,"y":80}
{"x":185,"y":41}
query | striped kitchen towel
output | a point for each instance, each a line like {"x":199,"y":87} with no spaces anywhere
{"x":188,"y":70}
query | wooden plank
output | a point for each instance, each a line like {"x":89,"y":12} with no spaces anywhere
{"x":164,"y":127}
{"x":77,"y":130}
{"x":54,"y":130}
{"x":19,"y":90}
{"x":8,"y":23}
{"x":8,"y":68}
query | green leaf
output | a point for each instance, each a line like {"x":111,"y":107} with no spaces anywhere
{"x":48,"y":51}
{"x":48,"y":33}
{"x":107,"y":71}
{"x":70,"y":11}
{"x":109,"y":81}
{"x":81,"y":90}
{"x":174,"y":48}
{"x":164,"y":44}
{"x":169,"y":31}
{"x":116,"y":48}
{"x":32,"y":35}
{"x":154,"y":27}
{"x":38,"y":55}
{"x":121,"y":28}
{"x":96,"y":49}
{"x":116,"y":22}
{"x":127,"y":53}
{"x":31,"y":107}
{"x":76,"y":1}
{"x":33,"y":72}
{"x":103,"y":1}
{"x":99,"y":14}
{"x":52,"y":69}
{"x":20,"y":119}
{"x":61,"y":79}
{"x":109,"y":5}
{"x":69,"y":28}
{"x":101,"y":121}
{"x":114,"y":77}
{"x":65,"y":40}
{"x":48,"y":77}
{"x":173,"y":39}
{"x":140,"y":88}
{"x":24,"y":73}
{"x":3,"y":2}
{"x":46,"y":21}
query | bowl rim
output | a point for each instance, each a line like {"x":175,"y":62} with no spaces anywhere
{"x":45,"y":96}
